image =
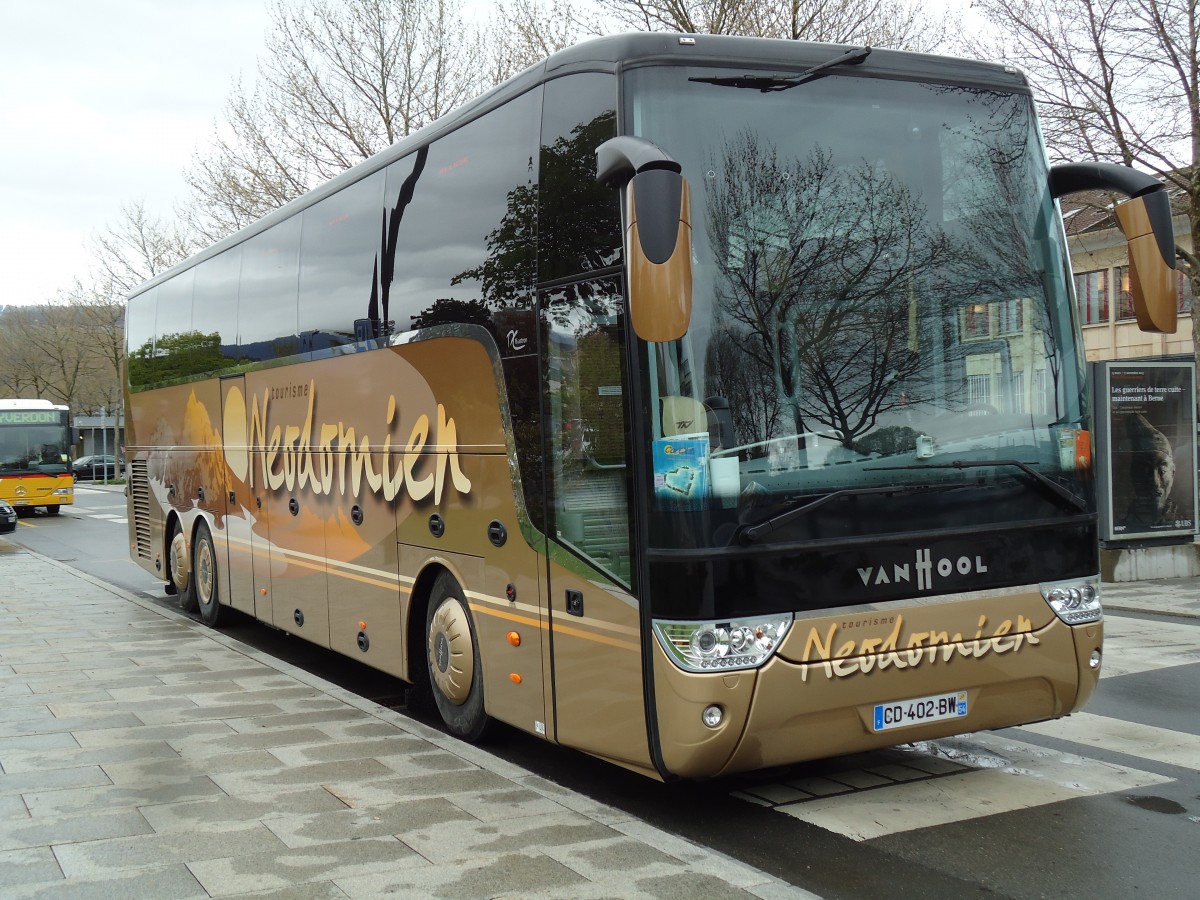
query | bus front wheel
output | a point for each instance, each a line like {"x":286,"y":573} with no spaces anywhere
{"x":204,"y":577}
{"x":452,"y":656}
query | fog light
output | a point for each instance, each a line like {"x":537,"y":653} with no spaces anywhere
{"x":1094,"y":660}
{"x":712,"y":716}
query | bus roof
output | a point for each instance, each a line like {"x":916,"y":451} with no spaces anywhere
{"x":29,"y":404}
{"x":615,"y":52}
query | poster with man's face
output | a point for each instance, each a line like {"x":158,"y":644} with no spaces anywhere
{"x":1152,"y":428}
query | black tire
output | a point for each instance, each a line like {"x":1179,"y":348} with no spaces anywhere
{"x":179,"y":569}
{"x":53,"y":510}
{"x":204,"y":576}
{"x":452,"y":660}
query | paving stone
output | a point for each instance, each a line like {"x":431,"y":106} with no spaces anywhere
{"x":322,"y":862}
{"x":47,"y":803}
{"x":396,"y":745}
{"x":267,"y":739}
{"x":351,"y":770}
{"x":375,"y":792}
{"x":453,"y":842}
{"x":62,"y":829}
{"x":40,"y":760}
{"x":175,"y":882}
{"x":106,"y":857}
{"x":179,"y":767}
{"x":196,"y":814}
{"x":29,"y":864}
{"x":513,"y":875}
{"x":52,"y":779}
{"x":398,"y":819}
{"x":115,"y":737}
{"x":52,"y":724}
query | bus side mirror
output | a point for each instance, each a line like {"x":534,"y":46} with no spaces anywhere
{"x":1145,"y":219}
{"x":658,"y":238}
{"x":1152,"y":281}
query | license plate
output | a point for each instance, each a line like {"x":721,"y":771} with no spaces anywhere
{"x":920,"y":710}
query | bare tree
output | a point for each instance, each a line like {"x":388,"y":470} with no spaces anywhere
{"x":900,"y":24}
{"x":1117,"y":81}
{"x":521,"y":33}
{"x":135,"y":249}
{"x":339,"y":82}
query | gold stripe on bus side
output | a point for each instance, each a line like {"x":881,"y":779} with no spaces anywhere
{"x":324,"y":563}
{"x":558,"y":629}
{"x":483,"y":604}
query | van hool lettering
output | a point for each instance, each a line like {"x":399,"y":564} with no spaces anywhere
{"x":900,"y":651}
{"x":924,"y":568}
{"x":324,"y":457}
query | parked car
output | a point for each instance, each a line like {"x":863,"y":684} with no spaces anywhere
{"x":8,"y":518}
{"x":95,"y":466}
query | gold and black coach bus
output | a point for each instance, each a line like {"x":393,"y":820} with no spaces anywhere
{"x":702,"y":403}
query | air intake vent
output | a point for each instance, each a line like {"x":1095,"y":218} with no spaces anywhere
{"x":139,"y":492}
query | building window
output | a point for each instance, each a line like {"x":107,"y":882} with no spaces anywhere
{"x":979,"y":391}
{"x":1185,"y":291}
{"x":1125,"y":298}
{"x":975,"y":321}
{"x":1008,"y":317}
{"x":1091,"y":291}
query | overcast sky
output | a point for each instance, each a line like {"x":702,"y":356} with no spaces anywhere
{"x":103,"y":103}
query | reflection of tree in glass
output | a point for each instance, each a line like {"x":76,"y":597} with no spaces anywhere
{"x":176,"y":356}
{"x":579,"y":221}
{"x":828,"y":274}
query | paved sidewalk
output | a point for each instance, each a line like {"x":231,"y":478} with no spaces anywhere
{"x":143,"y":755}
{"x":1166,"y":596}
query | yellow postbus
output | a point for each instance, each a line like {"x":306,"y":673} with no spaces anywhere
{"x":35,"y":462}
{"x":701,"y":403}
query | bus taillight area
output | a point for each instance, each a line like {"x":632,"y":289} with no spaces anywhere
{"x":851,"y":681}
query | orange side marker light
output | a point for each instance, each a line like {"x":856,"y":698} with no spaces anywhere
{"x":515,"y":678}
{"x":514,"y":638}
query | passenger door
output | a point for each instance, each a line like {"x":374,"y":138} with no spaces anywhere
{"x":594,"y":620}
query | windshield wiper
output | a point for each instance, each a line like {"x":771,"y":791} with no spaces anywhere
{"x":755,"y":533}
{"x":767,"y":83}
{"x":1071,"y":500}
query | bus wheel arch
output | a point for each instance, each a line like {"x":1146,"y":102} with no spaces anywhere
{"x":451,"y":658}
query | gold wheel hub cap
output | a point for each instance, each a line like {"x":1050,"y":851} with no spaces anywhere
{"x":180,"y":571}
{"x":451,"y":653}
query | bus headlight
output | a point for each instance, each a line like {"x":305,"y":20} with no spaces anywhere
{"x":722,"y":646}
{"x":1076,"y":602}
{"x":64,"y":492}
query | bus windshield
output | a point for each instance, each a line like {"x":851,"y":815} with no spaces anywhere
{"x":33,"y":448}
{"x":880,"y":314}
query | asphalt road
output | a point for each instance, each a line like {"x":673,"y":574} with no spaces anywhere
{"x":1105,"y":804}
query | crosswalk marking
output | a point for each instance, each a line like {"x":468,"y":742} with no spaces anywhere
{"x":999,"y":775}
{"x":962,"y":778}
{"x":1174,"y":748}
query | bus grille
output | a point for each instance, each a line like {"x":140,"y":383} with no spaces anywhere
{"x":139,"y":491}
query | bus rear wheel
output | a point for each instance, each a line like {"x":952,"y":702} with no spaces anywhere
{"x":452,"y":657}
{"x":204,"y":576}
{"x":179,"y":567}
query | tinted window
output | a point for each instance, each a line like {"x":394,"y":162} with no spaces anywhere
{"x":139,"y":336}
{"x":462,"y":222}
{"x":339,"y":261}
{"x":215,"y":304}
{"x":580,"y":219}
{"x":267,"y":300}
{"x":179,"y":350}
